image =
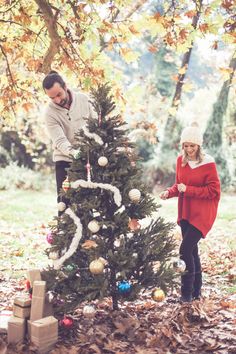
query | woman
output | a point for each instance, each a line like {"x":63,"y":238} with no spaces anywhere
{"x":197,"y":187}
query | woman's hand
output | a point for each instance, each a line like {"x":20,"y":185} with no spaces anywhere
{"x":164,"y":195}
{"x":181,"y":187}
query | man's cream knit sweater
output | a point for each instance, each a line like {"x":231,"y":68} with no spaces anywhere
{"x":62,"y":124}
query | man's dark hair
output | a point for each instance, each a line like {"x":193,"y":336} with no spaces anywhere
{"x":50,"y":80}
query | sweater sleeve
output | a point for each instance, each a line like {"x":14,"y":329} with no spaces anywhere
{"x":210,"y":190}
{"x":173,"y":190}
{"x":92,"y":113}
{"x":58,"y":137}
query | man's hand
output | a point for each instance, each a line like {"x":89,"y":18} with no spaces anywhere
{"x":181,"y":187}
{"x":76,"y":153}
{"x":164,"y":195}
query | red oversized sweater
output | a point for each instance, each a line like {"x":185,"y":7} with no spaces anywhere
{"x":199,"y":203}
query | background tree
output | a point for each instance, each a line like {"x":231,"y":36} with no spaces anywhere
{"x":213,"y":135}
{"x":83,"y":41}
{"x":98,"y":245}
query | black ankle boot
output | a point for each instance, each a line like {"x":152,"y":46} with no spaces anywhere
{"x":185,"y":299}
{"x":196,"y":294}
{"x":187,"y":281}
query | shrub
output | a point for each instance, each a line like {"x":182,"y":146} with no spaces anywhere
{"x":14,"y":176}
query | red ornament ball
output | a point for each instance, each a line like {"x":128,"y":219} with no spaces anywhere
{"x":27,"y":285}
{"x":67,"y":322}
{"x":66,"y":185}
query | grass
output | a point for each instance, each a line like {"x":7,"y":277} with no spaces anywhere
{"x":26,"y":209}
{"x":22,"y":229}
{"x":225,"y":221}
{"x":23,"y":215}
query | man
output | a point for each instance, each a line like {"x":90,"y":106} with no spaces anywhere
{"x":64,"y":116}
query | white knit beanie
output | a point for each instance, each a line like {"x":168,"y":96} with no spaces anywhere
{"x":192,"y":135}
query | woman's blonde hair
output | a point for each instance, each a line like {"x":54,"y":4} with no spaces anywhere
{"x":199,"y":156}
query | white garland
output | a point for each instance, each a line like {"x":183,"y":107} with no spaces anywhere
{"x":75,"y":242}
{"x":78,"y":234}
{"x":88,"y":184}
{"x":94,"y":136}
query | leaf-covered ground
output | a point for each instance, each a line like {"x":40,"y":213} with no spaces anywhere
{"x":206,"y":326}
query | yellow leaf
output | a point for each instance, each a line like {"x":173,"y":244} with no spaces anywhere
{"x":225,"y":72}
{"x":172,"y":111}
{"x":188,"y":87}
{"x":134,"y":30}
{"x":182,"y":70}
{"x":176,"y":102}
{"x":129,"y":55}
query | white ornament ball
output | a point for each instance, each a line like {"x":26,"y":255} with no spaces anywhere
{"x":89,"y":311}
{"x":50,"y":296}
{"x":102,"y":161}
{"x":53,"y":255}
{"x":61,"y":206}
{"x":96,"y":267}
{"x":135,"y":195}
{"x":179,"y":265}
{"x":93,"y":226}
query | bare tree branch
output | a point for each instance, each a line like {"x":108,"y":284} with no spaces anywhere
{"x":11,"y":7}
{"x":55,"y":41}
{"x":136,"y":7}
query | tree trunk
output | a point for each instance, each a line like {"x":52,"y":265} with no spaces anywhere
{"x":172,"y":128}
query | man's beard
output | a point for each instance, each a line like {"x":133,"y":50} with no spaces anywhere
{"x":63,"y":102}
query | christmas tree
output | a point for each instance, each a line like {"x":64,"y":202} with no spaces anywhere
{"x":98,"y":246}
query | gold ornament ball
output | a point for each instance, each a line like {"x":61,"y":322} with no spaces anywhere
{"x":53,"y":255}
{"x":102,"y":161}
{"x":93,"y":226}
{"x":158,"y":295}
{"x":96,"y":267}
{"x":89,"y":311}
{"x":61,"y":206}
{"x":135,"y":195}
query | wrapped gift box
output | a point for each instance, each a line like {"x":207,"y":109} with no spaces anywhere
{"x":34,"y":274}
{"x":44,"y":328}
{"x":38,"y":300}
{"x":44,"y":333}
{"x":16,"y":329}
{"x":5,"y":316}
{"x":21,"y":307}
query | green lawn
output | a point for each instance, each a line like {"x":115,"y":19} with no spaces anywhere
{"x":24,"y":214}
{"x":226,"y":218}
{"x":23,"y":217}
{"x":26,"y":209}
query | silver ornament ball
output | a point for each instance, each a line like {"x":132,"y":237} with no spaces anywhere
{"x":179,"y":265}
{"x":89,"y":311}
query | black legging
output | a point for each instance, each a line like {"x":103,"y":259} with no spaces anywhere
{"x":61,"y":175}
{"x":192,"y":279}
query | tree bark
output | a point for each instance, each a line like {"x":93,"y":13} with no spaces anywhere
{"x":51,"y":23}
{"x":171,"y":123}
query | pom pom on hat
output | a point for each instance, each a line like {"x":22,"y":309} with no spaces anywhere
{"x":192,"y":135}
